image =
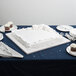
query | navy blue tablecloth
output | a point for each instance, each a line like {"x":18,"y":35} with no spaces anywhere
{"x":53,"y":61}
{"x":54,"y":53}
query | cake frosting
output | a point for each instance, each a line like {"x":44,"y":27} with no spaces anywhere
{"x":35,"y":34}
{"x":42,"y":27}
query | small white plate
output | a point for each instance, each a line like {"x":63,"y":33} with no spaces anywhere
{"x":64,"y":28}
{"x":70,"y":52}
{"x":1,"y":36}
{"x":2,"y":29}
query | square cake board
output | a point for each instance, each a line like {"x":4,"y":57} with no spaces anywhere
{"x":41,"y":46}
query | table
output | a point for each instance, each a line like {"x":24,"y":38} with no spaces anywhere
{"x":51,"y":61}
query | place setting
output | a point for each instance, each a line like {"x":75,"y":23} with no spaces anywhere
{"x":5,"y":50}
{"x":8,"y":27}
{"x":71,"y":49}
{"x":70,"y":33}
{"x":36,"y":38}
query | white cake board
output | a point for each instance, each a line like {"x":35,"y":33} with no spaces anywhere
{"x":38,"y":47}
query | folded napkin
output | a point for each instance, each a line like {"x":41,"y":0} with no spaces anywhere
{"x":6,"y":51}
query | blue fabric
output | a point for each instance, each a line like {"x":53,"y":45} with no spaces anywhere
{"x":55,"y":53}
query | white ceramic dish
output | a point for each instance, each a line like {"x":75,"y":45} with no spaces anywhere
{"x":2,"y":29}
{"x":64,"y":28}
{"x":1,"y":36}
{"x":70,"y":52}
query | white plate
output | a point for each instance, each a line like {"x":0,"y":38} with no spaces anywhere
{"x":1,"y":36}
{"x":2,"y":29}
{"x":70,"y":52}
{"x":64,"y":28}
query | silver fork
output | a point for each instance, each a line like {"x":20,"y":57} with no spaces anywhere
{"x":70,"y":37}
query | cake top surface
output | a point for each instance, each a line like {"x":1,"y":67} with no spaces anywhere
{"x":33,"y":35}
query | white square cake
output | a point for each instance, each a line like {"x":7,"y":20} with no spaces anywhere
{"x":36,"y":38}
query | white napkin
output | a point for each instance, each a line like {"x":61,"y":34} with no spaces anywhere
{"x":6,"y":51}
